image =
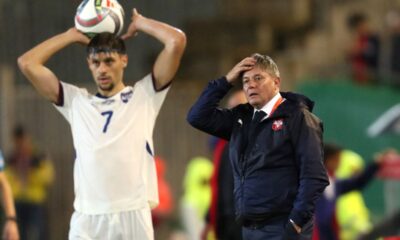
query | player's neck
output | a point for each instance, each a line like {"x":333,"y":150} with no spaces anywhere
{"x":111,"y":92}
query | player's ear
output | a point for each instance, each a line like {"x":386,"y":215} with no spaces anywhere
{"x":124,"y":59}
{"x":88,"y":60}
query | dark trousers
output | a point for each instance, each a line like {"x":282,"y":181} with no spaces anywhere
{"x":277,"y":228}
{"x":228,"y":229}
{"x":31,"y":221}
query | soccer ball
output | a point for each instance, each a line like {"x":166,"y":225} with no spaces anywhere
{"x":96,"y":16}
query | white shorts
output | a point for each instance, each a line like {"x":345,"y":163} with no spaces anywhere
{"x":129,"y":225}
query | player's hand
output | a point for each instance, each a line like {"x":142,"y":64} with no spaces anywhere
{"x":78,"y":36}
{"x":244,"y":65}
{"x":133,"y":27}
{"x":10,"y":231}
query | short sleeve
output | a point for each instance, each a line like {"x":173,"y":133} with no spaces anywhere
{"x":156,"y":97}
{"x":68,"y":93}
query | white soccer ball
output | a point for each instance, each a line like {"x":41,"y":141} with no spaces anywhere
{"x":96,"y":16}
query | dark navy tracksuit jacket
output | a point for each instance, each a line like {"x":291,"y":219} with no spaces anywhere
{"x":281,"y":170}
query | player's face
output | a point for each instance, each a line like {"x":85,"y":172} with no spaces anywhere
{"x":259,"y":86}
{"x":107,"y":70}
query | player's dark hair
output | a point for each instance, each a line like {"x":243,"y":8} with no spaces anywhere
{"x":107,"y":43}
{"x":331,"y":149}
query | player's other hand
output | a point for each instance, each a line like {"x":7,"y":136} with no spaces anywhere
{"x":243,"y":66}
{"x":133,"y":26}
{"x":10,"y":231}
{"x":78,"y":36}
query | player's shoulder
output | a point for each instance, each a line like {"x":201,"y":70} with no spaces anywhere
{"x":148,"y":78}
{"x":71,"y":88}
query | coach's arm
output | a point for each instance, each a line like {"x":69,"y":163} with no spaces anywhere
{"x":32,"y":62}
{"x":307,"y":139}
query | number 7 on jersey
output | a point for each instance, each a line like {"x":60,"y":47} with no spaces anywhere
{"x":108,"y":115}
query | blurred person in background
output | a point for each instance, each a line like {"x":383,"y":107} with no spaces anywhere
{"x":221,"y":215}
{"x":162,"y":212}
{"x":352,"y":213}
{"x":390,"y":62}
{"x":30,"y":174}
{"x":364,"y":52}
{"x":389,"y":227}
{"x":327,"y":227}
{"x":196,"y":197}
{"x":275,"y":147}
{"x":10,"y":229}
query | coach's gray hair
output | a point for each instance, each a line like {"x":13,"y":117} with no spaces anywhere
{"x":266,"y":63}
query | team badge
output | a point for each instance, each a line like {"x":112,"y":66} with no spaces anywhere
{"x":277,"y":125}
{"x":126,"y":96}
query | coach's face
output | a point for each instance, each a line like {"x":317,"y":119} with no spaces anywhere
{"x":107,"y":69}
{"x":259,"y":86}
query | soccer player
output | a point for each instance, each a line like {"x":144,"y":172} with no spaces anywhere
{"x":114,"y":173}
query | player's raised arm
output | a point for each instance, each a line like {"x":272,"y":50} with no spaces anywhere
{"x":32,"y":62}
{"x":174,"y":41}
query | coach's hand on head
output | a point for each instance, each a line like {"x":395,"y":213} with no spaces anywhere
{"x":243,"y":66}
{"x":133,"y":26}
{"x":78,"y":36}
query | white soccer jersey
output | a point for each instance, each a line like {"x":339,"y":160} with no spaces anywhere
{"x":114,"y":168}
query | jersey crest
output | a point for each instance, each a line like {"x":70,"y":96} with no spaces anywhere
{"x":125,"y":96}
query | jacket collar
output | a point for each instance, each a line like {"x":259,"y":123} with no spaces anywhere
{"x":292,"y":101}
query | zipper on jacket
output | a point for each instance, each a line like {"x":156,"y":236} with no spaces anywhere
{"x":242,"y":168}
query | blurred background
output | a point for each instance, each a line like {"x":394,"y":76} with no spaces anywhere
{"x":343,"y":54}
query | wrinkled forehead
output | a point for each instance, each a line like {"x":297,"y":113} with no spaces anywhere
{"x":256,"y":70}
{"x":103,"y":55}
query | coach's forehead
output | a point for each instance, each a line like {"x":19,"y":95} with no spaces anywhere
{"x":256,"y":70}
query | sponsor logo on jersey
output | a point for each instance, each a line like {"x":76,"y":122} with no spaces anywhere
{"x":108,"y":101}
{"x":125,"y":96}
